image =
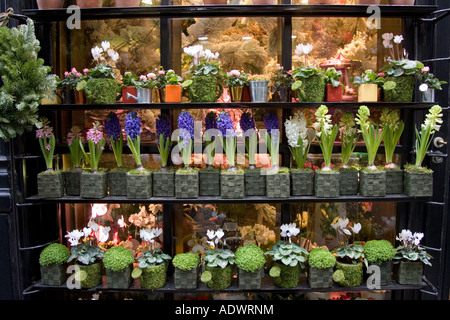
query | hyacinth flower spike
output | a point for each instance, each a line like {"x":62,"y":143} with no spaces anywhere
{"x":96,"y":144}
{"x":46,"y":142}
{"x":272,"y":125}
{"x":298,"y":137}
{"x":431,"y":125}
{"x":115,"y":136}
{"x":229,"y":138}
{"x":394,"y":129}
{"x":349,"y":137}
{"x":251,"y":137}
{"x":185,"y":140}
{"x":163,"y":130}
{"x":73,"y":141}
{"x":133,"y":130}
{"x":326,"y":134}
{"x":210,"y":142}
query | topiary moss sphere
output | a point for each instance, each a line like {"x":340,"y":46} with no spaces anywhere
{"x":186,"y":261}
{"x":249,"y":257}
{"x":55,"y":253}
{"x":118,"y":258}
{"x":321,"y":258}
{"x":378,"y":251}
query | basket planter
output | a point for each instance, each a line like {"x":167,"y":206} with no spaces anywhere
{"x":50,"y":185}
{"x":119,"y":279}
{"x":394,"y":181}
{"x":255,"y":182}
{"x":221,"y":277}
{"x":403,"y":91}
{"x":185,"y":279}
{"x":418,"y":184}
{"x":139,"y":186}
{"x":385,"y":272}
{"x":53,"y":274}
{"x":72,"y":182}
{"x":93,"y":185}
{"x":368,"y":92}
{"x":92,"y":275}
{"x":236,"y":93}
{"x":320,"y":278}
{"x":289,"y":276}
{"x":353,"y":274}
{"x":153,"y":277}
{"x":258,"y":90}
{"x":163,"y":183}
{"x":348,"y":182}
{"x":117,"y":183}
{"x":372,"y":184}
{"x":232,"y":185}
{"x":278,"y":185}
{"x":186,"y":185}
{"x":302,"y":182}
{"x":209,"y":184}
{"x":326,"y":184}
{"x":410,"y":272}
{"x":249,"y":280}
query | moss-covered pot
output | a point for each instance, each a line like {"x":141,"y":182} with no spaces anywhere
{"x":91,"y":275}
{"x":101,"y":91}
{"x":232,"y":185}
{"x":289,"y":276}
{"x":302,"y":182}
{"x":221,"y":278}
{"x":117,"y":182}
{"x":255,"y":182}
{"x":139,"y":186}
{"x":186,"y":185}
{"x":53,"y":274}
{"x":418,"y":184}
{"x":50,"y":184}
{"x":326,"y":184}
{"x":348,"y":181}
{"x":164,"y":183}
{"x":320,"y":277}
{"x":249,"y":280}
{"x":185,"y":279}
{"x":403,"y":91}
{"x":209,"y":184}
{"x":313,"y":89}
{"x":353,"y":273}
{"x":93,"y":185}
{"x":153,"y":277}
{"x":278,"y":185}
{"x":204,"y":89}
{"x":372,"y":184}
{"x":409,"y":273}
{"x":119,"y":279}
{"x":394,"y":181}
{"x":72,"y":182}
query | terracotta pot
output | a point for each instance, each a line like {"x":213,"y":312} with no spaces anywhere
{"x":50,"y":4}
{"x":173,"y":93}
{"x":125,"y":97}
{"x":127,"y":3}
{"x":402,"y":2}
{"x":334,"y":94}
{"x":90,"y":3}
{"x":214,"y":2}
{"x":368,"y":1}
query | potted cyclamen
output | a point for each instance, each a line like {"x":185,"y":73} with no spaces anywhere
{"x":348,"y":175}
{"x":50,"y":183}
{"x":418,"y":180}
{"x":53,"y":263}
{"x":129,"y":87}
{"x":380,"y":253}
{"x":333,"y":85}
{"x":235,"y":81}
{"x":368,"y":86}
{"x":326,"y":179}
{"x":320,"y":268}
{"x":277,"y":179}
{"x":172,"y":87}
{"x":232,"y":179}
{"x":249,"y":260}
{"x":186,"y":270}
{"x":255,"y":180}
{"x":73,"y":175}
{"x":118,"y":262}
{"x":299,"y":138}
{"x":209,"y":177}
{"x":139,"y":180}
{"x":258,"y":84}
{"x":281,"y":82}
{"x":429,"y":84}
{"x":164,"y":178}
{"x":144,"y":88}
{"x":372,"y":181}
{"x":410,"y":258}
{"x":68,"y":84}
{"x":186,"y":178}
{"x":394,"y":129}
{"x":117,"y":177}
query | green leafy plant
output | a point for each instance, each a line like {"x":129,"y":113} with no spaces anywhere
{"x":378,"y":251}
{"x":127,"y":80}
{"x":402,"y":67}
{"x":349,"y":137}
{"x":152,"y":258}
{"x":321,"y":258}
{"x":429,"y":80}
{"x":333,"y":77}
{"x":70,"y":80}
{"x":74,"y":138}
{"x":217,"y":257}
{"x":55,"y":253}
{"x":84,"y":248}
{"x":172,"y":78}
{"x":394,"y":127}
{"x":249,"y":257}
{"x":186,"y":261}
{"x":118,"y":258}
{"x":236,"y":78}
{"x":369,"y":77}
{"x":281,"y":77}
{"x":326,"y":134}
{"x":145,"y":81}
{"x":410,"y":248}
{"x":348,"y":251}
{"x":289,"y":254}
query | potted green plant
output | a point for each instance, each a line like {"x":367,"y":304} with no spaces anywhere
{"x":209,"y":177}
{"x":249,"y":260}
{"x":186,"y":269}
{"x":53,"y":262}
{"x":349,"y":254}
{"x":164,"y":178}
{"x":321,"y":263}
{"x":281,"y":82}
{"x":235,"y":81}
{"x":129,"y":87}
{"x":326,"y":179}
{"x":410,"y":258}
{"x":68,"y":84}
{"x":259,"y":85}
{"x":161,"y":83}
{"x":380,"y":253}
{"x":429,"y":83}
{"x":334,"y":86}
{"x":418,"y":179}
{"x":348,"y":174}
{"x":118,"y":262}
{"x":218,"y":262}
{"x":94,"y":182}
{"x":372,"y":178}
{"x":50,"y":182}
{"x":368,"y":86}
{"x":73,"y":175}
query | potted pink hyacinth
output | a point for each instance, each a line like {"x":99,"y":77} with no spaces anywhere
{"x":72,"y":176}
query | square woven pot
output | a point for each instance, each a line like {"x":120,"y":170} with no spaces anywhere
{"x":372,"y":184}
{"x":278,"y":185}
{"x":302,"y":183}
{"x":410,"y":273}
{"x":385,"y":272}
{"x":186,"y":185}
{"x":326,"y":185}
{"x":394,"y":181}
{"x":255,"y":182}
{"x":232,"y":185}
{"x":320,"y":278}
{"x":72,"y":182}
{"x":53,"y":275}
{"x":139,"y":186}
{"x":249,"y":280}
{"x":50,"y":185}
{"x":418,"y":184}
{"x":93,"y":185}
{"x":163,"y":183}
{"x":209,"y":184}
{"x":119,"y":279}
{"x":117,"y":183}
{"x":185,"y":279}
{"x":348,"y":182}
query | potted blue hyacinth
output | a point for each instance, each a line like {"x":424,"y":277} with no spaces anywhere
{"x":186,"y":178}
{"x":139,"y":180}
{"x":231,"y":179}
{"x":164,"y":178}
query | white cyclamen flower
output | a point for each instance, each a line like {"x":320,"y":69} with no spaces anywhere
{"x":103,"y":234}
{"x":356,"y":228}
{"x":398,"y":39}
{"x":74,"y":236}
{"x":423,"y":87}
{"x":96,"y":53}
{"x":387,"y":37}
{"x":105,"y":45}
{"x":87,"y":232}
{"x":113,"y":55}
{"x":307,"y":48}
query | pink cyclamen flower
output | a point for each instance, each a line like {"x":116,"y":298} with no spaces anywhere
{"x":289,"y":72}
{"x":161,"y":72}
{"x":85,"y":70}
{"x":74,"y":70}
{"x":77,"y":74}
{"x":235,"y":73}
{"x":151,"y":75}
{"x":142,"y":77}
{"x":66,"y":73}
{"x":381,"y":74}
{"x":426,"y":69}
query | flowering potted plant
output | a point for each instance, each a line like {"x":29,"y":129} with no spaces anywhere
{"x":236,"y":81}
{"x":186,"y":178}
{"x":429,"y":84}
{"x":144,"y":87}
{"x":368,"y":86}
{"x":281,"y":82}
{"x":186,"y":270}
{"x":299,"y":138}
{"x":164,"y":178}
{"x":94,"y":182}
{"x":50,"y":182}
{"x":418,"y":180}
{"x":348,"y":175}
{"x":72,"y":176}
{"x":118,"y":262}
{"x":333,"y":85}
{"x":232,"y":179}
{"x":410,"y":258}
{"x":258,"y":84}
{"x":53,"y":262}
{"x":380,"y":253}
{"x":249,"y":260}
{"x":68,"y":84}
{"x":393,"y":131}
{"x":129,"y":87}
{"x":139,"y":180}
{"x":204,"y":84}
{"x":173,"y":87}
{"x":321,"y":263}
{"x":218,"y":262}
{"x":326,"y":179}
{"x":372,"y":178}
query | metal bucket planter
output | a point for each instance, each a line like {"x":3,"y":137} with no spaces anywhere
{"x":302,"y":182}
{"x":209,"y":184}
{"x":394,"y":181}
{"x":403,"y":91}
{"x":418,"y":184}
{"x":410,"y":273}
{"x":353,"y":274}
{"x":143,"y":95}
{"x":139,"y":186}
{"x":326,"y":184}
{"x":153,"y":277}
{"x":131,"y":97}
{"x":320,"y":278}
{"x":249,"y":280}
{"x":232,"y":185}
{"x":119,"y":279}
{"x":372,"y":184}
{"x":258,"y":90}
{"x":93,"y":185}
{"x":72,"y":182}
{"x":50,"y":184}
{"x":255,"y":182}
{"x":385,"y":272}
{"x":185,"y":279}
{"x":186,"y":185}
{"x":221,"y":277}
{"x":278,"y":185}
{"x":53,"y":275}
{"x":117,"y":182}
{"x":164,"y":183}
{"x":91,"y":275}
{"x":289,"y":276}
{"x":348,"y":182}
